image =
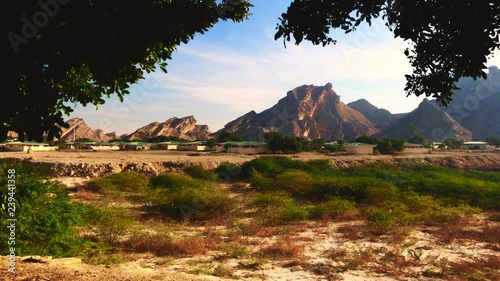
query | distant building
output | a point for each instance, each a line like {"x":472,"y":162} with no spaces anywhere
{"x":167,"y":145}
{"x":242,"y":147}
{"x":414,"y":148}
{"x":481,"y":145}
{"x":25,"y":146}
{"x":358,"y":148}
{"x":105,"y":146}
{"x":136,"y":145}
{"x":193,"y":146}
{"x":435,"y":145}
{"x":331,"y":144}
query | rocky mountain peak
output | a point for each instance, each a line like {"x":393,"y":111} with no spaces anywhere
{"x":428,"y":120}
{"x":307,"y":111}
{"x":78,"y":129}
{"x":381,"y":118}
{"x":183,"y":128}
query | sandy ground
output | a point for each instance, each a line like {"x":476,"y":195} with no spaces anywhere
{"x":92,"y":157}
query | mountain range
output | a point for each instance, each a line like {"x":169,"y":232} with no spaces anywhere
{"x":314,"y":112}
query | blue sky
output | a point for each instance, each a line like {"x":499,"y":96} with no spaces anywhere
{"x":235,"y":68}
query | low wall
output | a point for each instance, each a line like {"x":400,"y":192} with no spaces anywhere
{"x":39,"y":148}
{"x":417,"y":150}
{"x":248,"y":150}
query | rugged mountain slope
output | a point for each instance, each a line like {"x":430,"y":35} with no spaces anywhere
{"x":183,"y":128}
{"x":78,"y":129}
{"x":476,"y":106}
{"x":427,"y":120}
{"x":307,"y":111}
{"x":381,"y":118}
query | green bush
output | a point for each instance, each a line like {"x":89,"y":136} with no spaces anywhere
{"x":258,"y":180}
{"x":278,"y":208}
{"x":271,"y":166}
{"x":182,"y":197}
{"x":109,"y":224}
{"x":200,"y":204}
{"x":125,"y":181}
{"x":349,"y":188}
{"x":294,"y":182}
{"x":47,"y":220}
{"x":331,"y":208}
{"x":380,"y":221}
{"x":228,"y":171}
{"x":173,"y":182}
{"x":379,"y":191}
{"x":199,"y":172}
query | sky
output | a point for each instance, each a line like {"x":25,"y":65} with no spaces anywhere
{"x":238,"y":67}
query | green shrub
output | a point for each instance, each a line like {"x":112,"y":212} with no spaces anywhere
{"x":321,"y":165}
{"x":173,"y":182}
{"x":278,"y":208}
{"x":380,"y":221}
{"x":199,"y":172}
{"x":278,"y":199}
{"x":182,"y":197}
{"x":258,"y":180}
{"x":271,"y":166}
{"x":47,"y":220}
{"x":125,"y":181}
{"x":448,"y":213}
{"x":294,"y":182}
{"x":294,"y":214}
{"x":228,"y":171}
{"x":380,"y":191}
{"x":332,"y":207}
{"x":201,"y":204}
{"x":349,"y":188}
{"x":109,"y":224}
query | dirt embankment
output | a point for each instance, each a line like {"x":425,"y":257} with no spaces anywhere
{"x":97,"y":164}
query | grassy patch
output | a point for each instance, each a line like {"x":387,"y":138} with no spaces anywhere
{"x":125,"y":181}
{"x":182,"y":197}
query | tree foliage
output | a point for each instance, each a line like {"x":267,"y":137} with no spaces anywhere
{"x":493,"y":141}
{"x":448,"y":39}
{"x":286,"y":144}
{"x":57,"y":52}
{"x":420,"y":140}
{"x":389,"y":146}
{"x":367,"y":139}
{"x":228,"y":136}
{"x":451,"y":143}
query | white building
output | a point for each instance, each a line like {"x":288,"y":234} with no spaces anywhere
{"x":359,"y":148}
{"x":25,"y":146}
{"x":193,"y":146}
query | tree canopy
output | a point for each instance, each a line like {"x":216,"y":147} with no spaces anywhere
{"x":58,"y":52}
{"x":448,"y":39}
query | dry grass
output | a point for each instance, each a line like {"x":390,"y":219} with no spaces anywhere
{"x":84,"y":195}
{"x":467,"y":229}
{"x":283,"y":249}
{"x":352,"y":232}
{"x":164,"y":245}
{"x":349,"y":259}
{"x":478,"y":269}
